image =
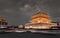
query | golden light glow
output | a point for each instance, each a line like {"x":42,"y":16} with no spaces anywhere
{"x":40,"y":14}
{"x":2,"y":19}
{"x":40,"y":17}
{"x":40,"y":20}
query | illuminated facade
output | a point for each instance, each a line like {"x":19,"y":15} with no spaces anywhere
{"x":40,"y":17}
{"x":40,"y":20}
{"x":2,"y":19}
{"x":39,"y":25}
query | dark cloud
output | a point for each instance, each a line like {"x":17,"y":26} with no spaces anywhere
{"x":20,"y":11}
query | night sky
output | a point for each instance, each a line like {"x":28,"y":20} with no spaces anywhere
{"x":20,"y":11}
